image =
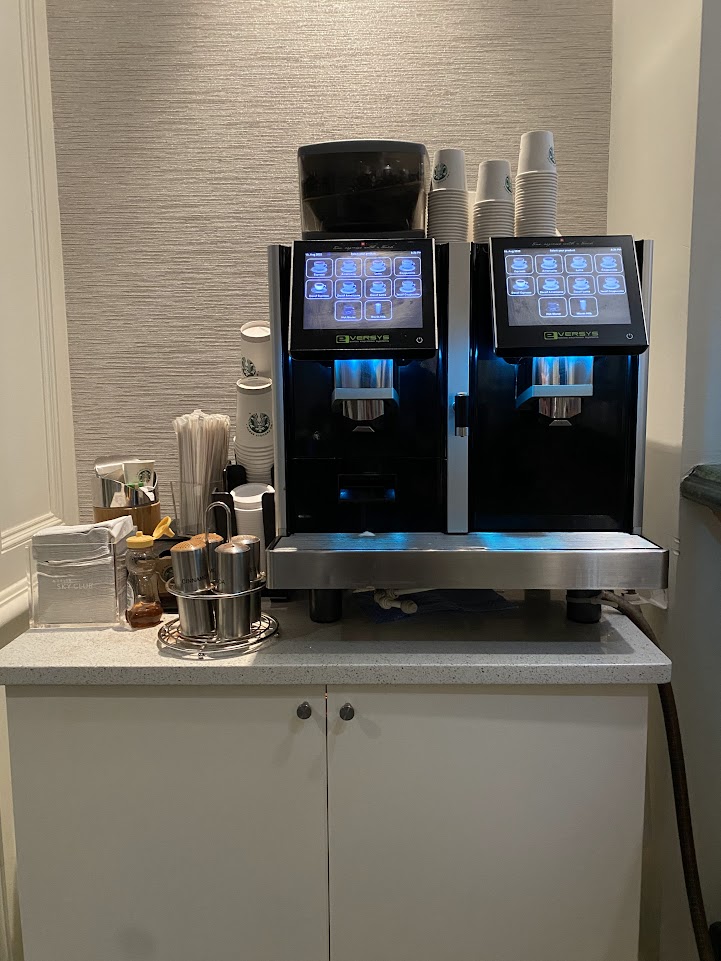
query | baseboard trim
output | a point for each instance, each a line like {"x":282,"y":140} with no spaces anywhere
{"x":13,"y":601}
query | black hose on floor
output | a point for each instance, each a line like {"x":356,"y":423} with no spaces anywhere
{"x":684,"y":823}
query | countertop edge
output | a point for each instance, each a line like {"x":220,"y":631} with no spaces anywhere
{"x":522,"y":674}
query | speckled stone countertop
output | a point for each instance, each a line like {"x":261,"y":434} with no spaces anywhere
{"x":532,"y":644}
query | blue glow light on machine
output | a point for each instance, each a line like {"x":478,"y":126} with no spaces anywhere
{"x":565,"y":370}
{"x":346,"y":494}
{"x":361,"y":372}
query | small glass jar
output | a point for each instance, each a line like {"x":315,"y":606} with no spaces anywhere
{"x":144,"y":607}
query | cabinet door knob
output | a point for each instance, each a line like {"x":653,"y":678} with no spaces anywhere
{"x":347,"y":712}
{"x":304,"y":711}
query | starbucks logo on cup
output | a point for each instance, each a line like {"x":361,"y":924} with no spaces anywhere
{"x":507,"y":185}
{"x":248,"y":367}
{"x":551,"y":155}
{"x":440,"y":172}
{"x":258,"y":423}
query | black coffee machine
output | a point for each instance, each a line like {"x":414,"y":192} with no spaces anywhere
{"x":455,"y":415}
{"x":363,"y":357}
{"x":558,"y":385}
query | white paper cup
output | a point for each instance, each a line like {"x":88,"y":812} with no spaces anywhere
{"x":537,"y":177}
{"x":248,"y":504}
{"x":542,"y":193}
{"x":449,"y":169}
{"x":254,"y":413}
{"x":492,"y":219}
{"x":494,"y":181}
{"x":253,"y":458}
{"x":540,"y":231}
{"x":443,"y":207}
{"x":258,"y":476}
{"x":249,"y":497}
{"x":255,"y":349}
{"x":256,"y":471}
{"x":251,"y":522}
{"x":537,"y":151}
{"x":448,"y":223}
{"x":447,"y":198}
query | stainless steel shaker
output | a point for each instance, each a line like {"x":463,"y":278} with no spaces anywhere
{"x":190,"y":574}
{"x":253,"y":542}
{"x":190,"y":567}
{"x":233,"y":613}
{"x":196,"y":615}
{"x":209,"y":543}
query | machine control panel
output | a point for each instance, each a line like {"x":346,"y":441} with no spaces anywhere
{"x":355,"y":298}
{"x":566,"y":295}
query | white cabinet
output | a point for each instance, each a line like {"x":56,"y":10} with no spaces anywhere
{"x":485,"y":825}
{"x":178,"y":825}
{"x":456,"y":823}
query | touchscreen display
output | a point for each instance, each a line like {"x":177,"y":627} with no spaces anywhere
{"x":366,"y":289}
{"x":548,"y":287}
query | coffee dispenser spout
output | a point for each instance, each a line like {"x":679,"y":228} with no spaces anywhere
{"x":558,"y":383}
{"x":362,"y":388}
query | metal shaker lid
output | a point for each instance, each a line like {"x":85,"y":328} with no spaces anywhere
{"x":233,"y":562}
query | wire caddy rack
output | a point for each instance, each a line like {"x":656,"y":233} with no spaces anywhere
{"x":172,"y":639}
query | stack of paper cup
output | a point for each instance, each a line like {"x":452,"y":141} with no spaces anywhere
{"x":448,"y":199}
{"x":536,"y":185}
{"x":254,"y":427}
{"x":248,"y":504}
{"x":255,"y":347}
{"x":493,"y":207}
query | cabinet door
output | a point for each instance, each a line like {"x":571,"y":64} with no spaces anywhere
{"x":171,"y":825}
{"x":486,"y":824}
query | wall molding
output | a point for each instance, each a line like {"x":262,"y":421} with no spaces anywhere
{"x":13,"y":601}
{"x":19,"y":535}
{"x":49,"y":279}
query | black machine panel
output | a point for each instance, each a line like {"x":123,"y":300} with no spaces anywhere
{"x":529,"y":473}
{"x":345,"y":475}
{"x":566,"y":295}
{"x":363,"y":298}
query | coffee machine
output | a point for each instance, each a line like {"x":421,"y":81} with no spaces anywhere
{"x":452,"y":415}
{"x":558,"y":399}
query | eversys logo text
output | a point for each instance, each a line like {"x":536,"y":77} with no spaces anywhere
{"x":570,"y":334}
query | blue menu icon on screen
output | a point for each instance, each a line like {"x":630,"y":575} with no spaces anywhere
{"x":318,"y":289}
{"x":379,"y":310}
{"x":348,"y":288}
{"x":407,"y":266}
{"x":410,"y":287}
{"x":380,"y":288}
{"x":378,"y":267}
{"x":348,"y":268}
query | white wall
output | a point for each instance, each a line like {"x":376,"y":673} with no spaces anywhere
{"x":651,"y":172}
{"x":663,"y":168}
{"x":37,"y":456}
{"x":36,"y":448}
{"x":695,"y":618}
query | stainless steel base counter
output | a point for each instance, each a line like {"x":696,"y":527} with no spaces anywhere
{"x":543,"y":561}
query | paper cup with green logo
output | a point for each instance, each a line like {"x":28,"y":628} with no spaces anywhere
{"x":255,"y":349}
{"x":494,"y":182}
{"x":254,"y":414}
{"x":537,"y":152}
{"x":449,"y":169}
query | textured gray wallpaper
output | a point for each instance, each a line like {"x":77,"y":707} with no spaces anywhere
{"x":176,"y":125}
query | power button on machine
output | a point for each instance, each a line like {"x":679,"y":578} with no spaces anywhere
{"x":419,"y":340}
{"x":629,"y":336}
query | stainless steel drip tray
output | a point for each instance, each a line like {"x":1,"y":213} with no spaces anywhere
{"x":545,"y":561}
